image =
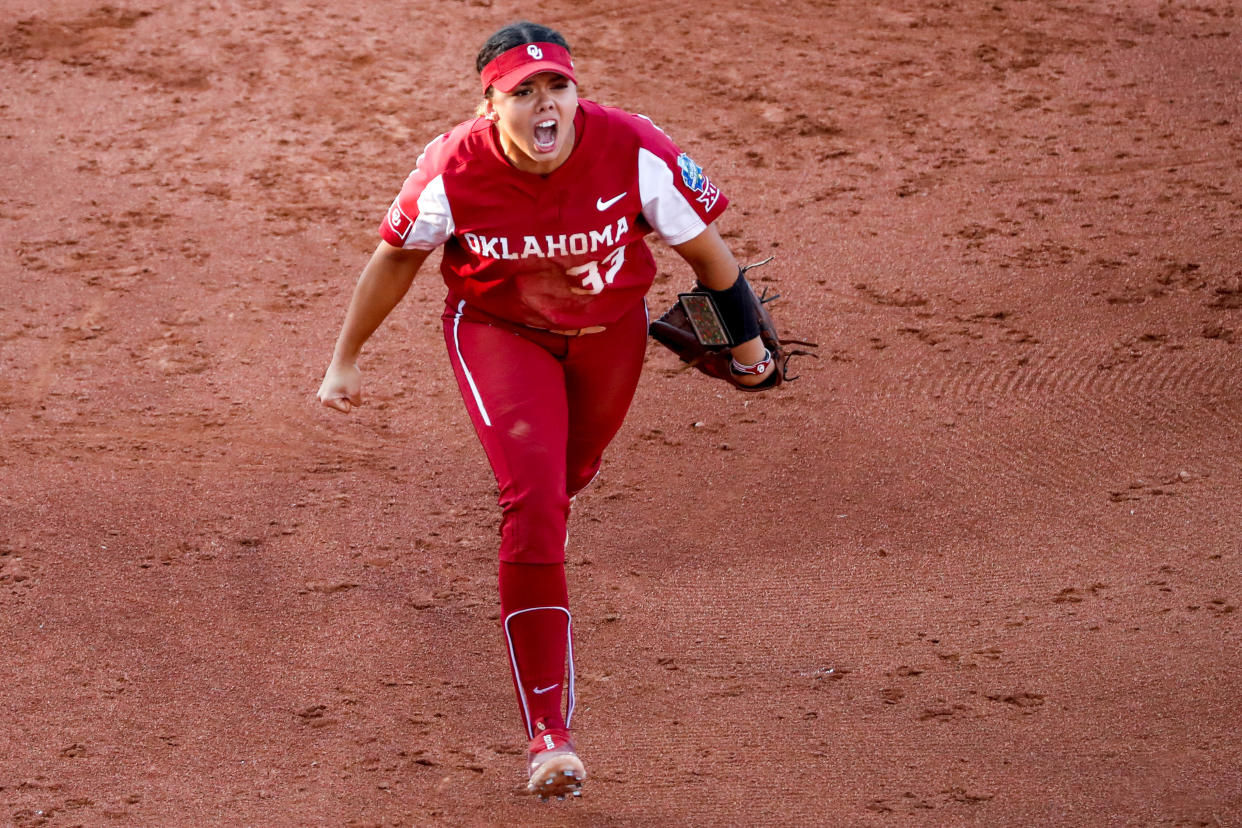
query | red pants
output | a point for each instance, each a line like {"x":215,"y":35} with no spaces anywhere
{"x":544,"y":406}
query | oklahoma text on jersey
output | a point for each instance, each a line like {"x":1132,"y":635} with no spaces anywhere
{"x":575,"y":244}
{"x":557,"y":251}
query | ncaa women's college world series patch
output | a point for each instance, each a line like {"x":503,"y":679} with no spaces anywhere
{"x":694,"y":179}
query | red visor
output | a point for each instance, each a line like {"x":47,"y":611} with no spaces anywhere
{"x":509,"y":69}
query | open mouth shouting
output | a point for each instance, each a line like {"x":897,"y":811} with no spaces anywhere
{"x":545,"y":135}
{"x":535,"y":122}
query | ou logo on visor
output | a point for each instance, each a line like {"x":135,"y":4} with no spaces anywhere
{"x":534,"y":51}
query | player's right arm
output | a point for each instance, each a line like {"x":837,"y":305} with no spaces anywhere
{"x":383,"y":283}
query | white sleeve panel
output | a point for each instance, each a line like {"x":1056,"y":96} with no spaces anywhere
{"x":434,"y":224}
{"x":664,"y":207}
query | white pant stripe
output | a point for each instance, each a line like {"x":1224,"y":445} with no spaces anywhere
{"x":474,"y":389}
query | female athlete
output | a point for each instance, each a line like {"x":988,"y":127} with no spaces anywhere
{"x":541,"y":204}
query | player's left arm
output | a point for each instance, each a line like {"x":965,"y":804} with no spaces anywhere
{"x":716,"y":269}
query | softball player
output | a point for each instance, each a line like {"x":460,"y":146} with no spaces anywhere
{"x":541,"y":204}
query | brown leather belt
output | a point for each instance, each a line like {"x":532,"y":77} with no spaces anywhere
{"x":575,"y":331}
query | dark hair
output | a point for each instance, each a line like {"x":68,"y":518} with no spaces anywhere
{"x":516,"y":34}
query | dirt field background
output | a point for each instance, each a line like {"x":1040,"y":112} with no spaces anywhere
{"x":980,"y":565}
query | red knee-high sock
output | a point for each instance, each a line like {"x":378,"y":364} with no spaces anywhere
{"x":534,"y":613}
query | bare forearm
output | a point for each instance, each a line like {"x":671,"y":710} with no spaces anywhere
{"x":383,"y":284}
{"x":716,"y":268}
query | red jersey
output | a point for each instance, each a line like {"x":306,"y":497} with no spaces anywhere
{"x":563,"y":250}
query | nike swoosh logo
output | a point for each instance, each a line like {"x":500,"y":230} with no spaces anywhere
{"x":541,"y":690}
{"x":602,"y":205}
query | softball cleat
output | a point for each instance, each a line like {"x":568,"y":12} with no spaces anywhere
{"x":555,"y":769}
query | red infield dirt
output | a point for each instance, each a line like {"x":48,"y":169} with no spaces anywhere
{"x":978,"y":566}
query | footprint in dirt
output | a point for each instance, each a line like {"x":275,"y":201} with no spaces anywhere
{"x":1023,"y":701}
